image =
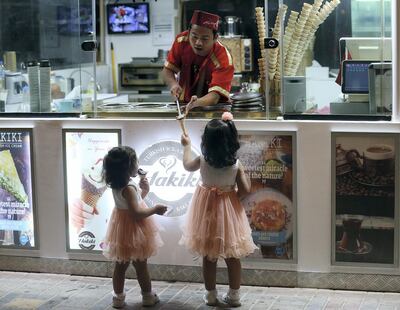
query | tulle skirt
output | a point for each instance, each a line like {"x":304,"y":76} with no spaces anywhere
{"x":128,"y":240}
{"x":216,"y":225}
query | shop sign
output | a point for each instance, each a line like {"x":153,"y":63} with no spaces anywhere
{"x":170,"y":183}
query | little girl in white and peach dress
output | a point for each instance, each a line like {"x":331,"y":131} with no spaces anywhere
{"x":216,"y":225}
{"x":132,"y":235}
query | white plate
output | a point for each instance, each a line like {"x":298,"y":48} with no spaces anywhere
{"x":267,"y":193}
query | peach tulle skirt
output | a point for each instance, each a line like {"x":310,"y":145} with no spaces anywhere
{"x":128,"y":240}
{"x":216,"y":225}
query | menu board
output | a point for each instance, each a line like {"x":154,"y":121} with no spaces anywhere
{"x":89,"y":201}
{"x":17,"y":227}
{"x":364,"y":227}
{"x":268,"y":159}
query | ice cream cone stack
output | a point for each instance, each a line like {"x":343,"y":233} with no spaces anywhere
{"x":292,"y":55}
{"x":289,"y":31}
{"x":260,"y":26}
{"x":274,"y":53}
{"x":317,"y":17}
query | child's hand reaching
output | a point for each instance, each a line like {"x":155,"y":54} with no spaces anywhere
{"x":185,"y":140}
{"x":160,"y":209}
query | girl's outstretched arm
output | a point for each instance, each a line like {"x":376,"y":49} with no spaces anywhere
{"x":188,"y":163}
{"x":138,"y":212}
{"x":243,"y":181}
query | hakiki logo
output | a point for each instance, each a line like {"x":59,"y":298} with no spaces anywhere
{"x":11,"y":137}
{"x":170,"y":183}
{"x":86,"y":240}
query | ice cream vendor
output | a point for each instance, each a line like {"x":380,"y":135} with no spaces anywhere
{"x":199,"y":69}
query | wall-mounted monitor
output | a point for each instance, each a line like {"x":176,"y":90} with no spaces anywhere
{"x":128,"y":18}
{"x":365,"y":48}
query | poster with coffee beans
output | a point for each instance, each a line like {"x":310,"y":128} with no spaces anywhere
{"x":364,"y":166}
{"x":268,"y":160}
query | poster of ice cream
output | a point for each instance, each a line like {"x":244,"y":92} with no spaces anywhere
{"x":17,"y":227}
{"x":89,"y":200}
{"x":268,"y":160}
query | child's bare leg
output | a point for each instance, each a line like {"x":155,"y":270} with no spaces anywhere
{"x":119,"y":277}
{"x":234,"y":272}
{"x":143,"y":275}
{"x":209,"y":274}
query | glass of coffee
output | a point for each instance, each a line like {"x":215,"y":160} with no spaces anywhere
{"x":351,"y":240}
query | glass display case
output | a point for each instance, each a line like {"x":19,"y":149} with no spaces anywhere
{"x":334,"y":59}
{"x":300,"y":59}
{"x":45,"y":70}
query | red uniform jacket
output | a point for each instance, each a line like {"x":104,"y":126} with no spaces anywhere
{"x":200,"y":75}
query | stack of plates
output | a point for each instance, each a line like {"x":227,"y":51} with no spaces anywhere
{"x":247,"y":101}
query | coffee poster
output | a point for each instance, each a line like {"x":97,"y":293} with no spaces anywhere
{"x":364,"y":227}
{"x":268,"y":160}
{"x":89,"y":201}
{"x":17,"y":223}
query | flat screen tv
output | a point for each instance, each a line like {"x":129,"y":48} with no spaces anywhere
{"x":128,"y":18}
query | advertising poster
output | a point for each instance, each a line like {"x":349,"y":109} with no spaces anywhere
{"x":268,"y":160}
{"x":364,"y":202}
{"x":17,"y":227}
{"x":89,"y":200}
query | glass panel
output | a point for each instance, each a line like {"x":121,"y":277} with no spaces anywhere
{"x":335,"y":58}
{"x":44,"y":65}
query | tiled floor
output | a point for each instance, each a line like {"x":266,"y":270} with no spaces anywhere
{"x":51,"y":291}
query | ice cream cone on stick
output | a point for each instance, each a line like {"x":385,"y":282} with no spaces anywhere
{"x":181,"y":118}
{"x":181,"y":121}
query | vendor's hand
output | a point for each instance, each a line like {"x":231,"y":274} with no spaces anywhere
{"x":79,"y":212}
{"x":144,"y":186}
{"x":160,"y":209}
{"x":176,"y":90}
{"x":185,"y":140}
{"x":192,"y":104}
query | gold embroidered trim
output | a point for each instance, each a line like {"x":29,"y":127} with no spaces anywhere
{"x":215,"y":60}
{"x":171,"y":66}
{"x":182,"y":39}
{"x":220,"y":90}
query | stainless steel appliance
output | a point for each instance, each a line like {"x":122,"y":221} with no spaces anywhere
{"x":142,"y":75}
{"x":241,"y":50}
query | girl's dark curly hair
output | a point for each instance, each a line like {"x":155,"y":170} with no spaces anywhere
{"x":118,"y":166}
{"x":220,"y":143}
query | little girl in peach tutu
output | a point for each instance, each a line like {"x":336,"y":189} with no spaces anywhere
{"x":131,"y":235}
{"x":216,"y":225}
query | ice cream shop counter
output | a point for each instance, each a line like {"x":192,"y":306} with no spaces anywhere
{"x":323,"y":206}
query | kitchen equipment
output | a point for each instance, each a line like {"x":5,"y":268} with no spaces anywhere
{"x":232,"y":26}
{"x":294,"y":90}
{"x":241,"y":50}
{"x":245,"y":100}
{"x":45,"y":92}
{"x":142,"y":75}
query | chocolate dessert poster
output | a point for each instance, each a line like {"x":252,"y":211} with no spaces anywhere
{"x":268,"y":160}
{"x":364,"y":197}
{"x":89,"y":200}
{"x":16,"y":203}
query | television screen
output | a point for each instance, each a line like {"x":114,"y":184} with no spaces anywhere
{"x":73,"y":21}
{"x":128,"y":18}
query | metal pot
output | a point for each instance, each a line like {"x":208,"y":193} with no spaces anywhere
{"x":232,"y":26}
